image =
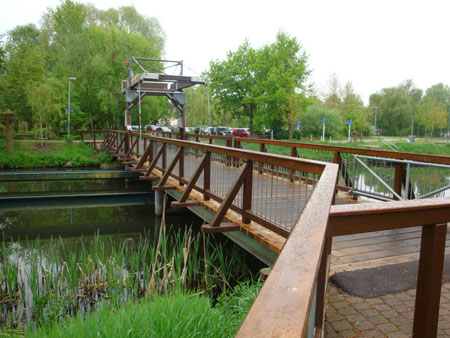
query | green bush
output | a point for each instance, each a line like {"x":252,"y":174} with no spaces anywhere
{"x":31,"y":155}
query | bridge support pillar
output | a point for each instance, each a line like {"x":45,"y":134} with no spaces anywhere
{"x":159,"y":202}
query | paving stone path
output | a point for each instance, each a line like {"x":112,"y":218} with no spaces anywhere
{"x":386,"y":316}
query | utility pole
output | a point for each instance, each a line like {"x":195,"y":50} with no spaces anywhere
{"x":69,"y":109}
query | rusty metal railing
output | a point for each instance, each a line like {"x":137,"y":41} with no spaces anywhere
{"x":271,"y":190}
{"x":291,"y":302}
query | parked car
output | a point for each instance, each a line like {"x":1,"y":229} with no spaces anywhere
{"x":150,"y":127}
{"x":165,"y":129}
{"x":223,"y":131}
{"x":211,"y":131}
{"x":173,"y":128}
{"x":240,"y":132}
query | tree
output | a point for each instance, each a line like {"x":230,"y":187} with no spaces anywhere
{"x":24,"y":63}
{"x":233,"y":82}
{"x":353,"y":109}
{"x":332,"y":98}
{"x":197,"y":106}
{"x":93,"y":45}
{"x":282,"y":71}
{"x":396,"y":107}
{"x":431,"y":115}
{"x":312,"y":122}
{"x":45,"y":99}
{"x":7,"y":118}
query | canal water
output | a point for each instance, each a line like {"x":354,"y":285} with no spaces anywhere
{"x":66,"y":261}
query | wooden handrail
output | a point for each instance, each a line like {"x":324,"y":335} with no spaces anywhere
{"x":368,"y":217}
{"x":312,"y":166}
{"x":284,"y":302}
{"x":359,"y":151}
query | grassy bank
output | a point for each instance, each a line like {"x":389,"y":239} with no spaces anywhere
{"x":51,"y":154}
{"x":175,"y":315}
{"x":420,"y":147}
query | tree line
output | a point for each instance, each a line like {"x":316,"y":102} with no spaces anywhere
{"x":260,"y":88}
{"x":267,"y":88}
{"x":76,"y":41}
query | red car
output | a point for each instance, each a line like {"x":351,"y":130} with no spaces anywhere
{"x":240,"y":132}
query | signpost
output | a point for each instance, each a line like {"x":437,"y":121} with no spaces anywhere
{"x":298,"y":124}
{"x":323,"y":130}
{"x":349,"y":122}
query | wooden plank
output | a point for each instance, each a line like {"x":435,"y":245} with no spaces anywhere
{"x":164,"y":188}
{"x":178,"y":204}
{"x":223,"y":227}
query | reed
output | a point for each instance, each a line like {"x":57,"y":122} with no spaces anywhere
{"x":47,"y":283}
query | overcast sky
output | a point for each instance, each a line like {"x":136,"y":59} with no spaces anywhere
{"x":373,"y":44}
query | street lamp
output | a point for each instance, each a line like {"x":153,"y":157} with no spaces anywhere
{"x":375,"y":108}
{"x":69,"y":109}
{"x":448,"y":126}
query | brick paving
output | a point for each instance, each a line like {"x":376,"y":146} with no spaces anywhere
{"x":390,"y":315}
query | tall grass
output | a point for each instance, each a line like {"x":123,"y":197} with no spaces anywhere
{"x":40,"y":285}
{"x":174,"y":315}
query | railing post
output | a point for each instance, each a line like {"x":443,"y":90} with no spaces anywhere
{"x":93,"y":136}
{"x":262,"y":148}
{"x":150,"y":154}
{"x":291,"y":171}
{"x":247,"y":190}
{"x":181,"y":167}
{"x":400,"y":173}
{"x":138,"y":145}
{"x":322,"y":283}
{"x":229,"y":144}
{"x":82,"y":136}
{"x":429,"y":281}
{"x":127,"y":142}
{"x":207,"y":176}
{"x":164,"y":159}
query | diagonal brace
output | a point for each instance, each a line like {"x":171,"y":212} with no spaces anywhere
{"x":106,"y":140}
{"x":111,"y":142}
{"x":229,"y":198}
{"x":131,"y":148}
{"x":155,"y":160}
{"x":203,"y":164}
{"x":119,"y":146}
{"x":172,"y":165}
{"x":145,"y":155}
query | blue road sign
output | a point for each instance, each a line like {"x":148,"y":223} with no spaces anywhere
{"x":297,"y":122}
{"x":349,"y":122}
{"x":323,"y":121}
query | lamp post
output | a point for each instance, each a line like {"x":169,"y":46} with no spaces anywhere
{"x":69,"y":109}
{"x":375,"y":108}
{"x":448,"y":125}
